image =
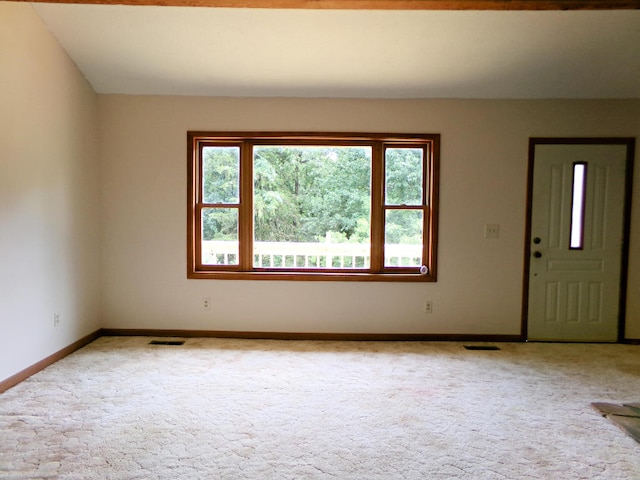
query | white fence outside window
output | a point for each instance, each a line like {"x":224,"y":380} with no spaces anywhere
{"x":309,"y":255}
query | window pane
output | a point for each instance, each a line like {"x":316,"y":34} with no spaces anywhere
{"x":221,"y":174}
{"x":312,"y":206}
{"x":403,"y":238}
{"x":220,"y":244}
{"x":577,"y":205}
{"x":403,"y":176}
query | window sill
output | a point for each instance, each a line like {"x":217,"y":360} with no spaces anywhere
{"x":307,"y":276}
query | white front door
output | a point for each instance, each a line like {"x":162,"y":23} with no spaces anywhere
{"x":577,"y":233}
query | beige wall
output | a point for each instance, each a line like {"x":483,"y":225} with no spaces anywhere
{"x":49,"y":226}
{"x":73,"y":229}
{"x":483,"y":179}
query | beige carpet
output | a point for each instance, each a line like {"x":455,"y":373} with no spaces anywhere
{"x":253,"y":409}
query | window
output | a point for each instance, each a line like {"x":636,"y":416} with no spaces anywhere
{"x":577,"y":205}
{"x":306,"y":206}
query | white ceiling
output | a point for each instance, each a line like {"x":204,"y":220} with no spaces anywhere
{"x":351,"y":53}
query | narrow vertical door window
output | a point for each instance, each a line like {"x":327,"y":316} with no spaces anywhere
{"x":577,"y":205}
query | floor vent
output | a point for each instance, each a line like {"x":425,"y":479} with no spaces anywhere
{"x":166,"y":342}
{"x":481,"y":347}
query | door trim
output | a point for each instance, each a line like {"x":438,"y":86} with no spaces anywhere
{"x":629,"y":142}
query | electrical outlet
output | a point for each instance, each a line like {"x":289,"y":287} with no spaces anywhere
{"x":428,"y":306}
{"x":56,"y":319}
{"x":206,"y":303}
{"x":492,"y":230}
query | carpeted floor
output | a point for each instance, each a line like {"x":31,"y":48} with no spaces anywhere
{"x":258,"y":409}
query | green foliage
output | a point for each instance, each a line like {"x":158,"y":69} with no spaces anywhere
{"x":220,"y":224}
{"x":403,"y":176}
{"x":303,"y":193}
{"x":403,"y":227}
{"x":221,"y":173}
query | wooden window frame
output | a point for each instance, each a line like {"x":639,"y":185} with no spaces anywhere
{"x":196,"y":140}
